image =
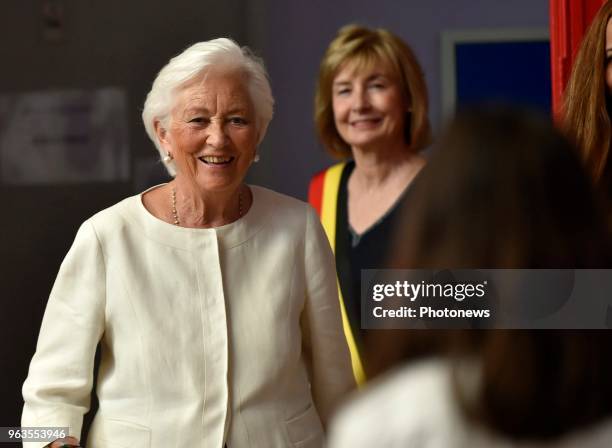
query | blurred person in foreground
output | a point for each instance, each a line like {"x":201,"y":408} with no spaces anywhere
{"x":215,"y":302}
{"x":502,"y":190}
{"x":371,"y":111}
{"x":588,"y":102}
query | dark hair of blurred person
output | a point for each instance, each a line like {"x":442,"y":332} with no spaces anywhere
{"x":503,"y":190}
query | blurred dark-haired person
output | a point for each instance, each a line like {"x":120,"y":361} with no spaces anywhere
{"x":371,"y":108}
{"x":588,"y":102}
{"x":214,"y":302}
{"x":502,"y":190}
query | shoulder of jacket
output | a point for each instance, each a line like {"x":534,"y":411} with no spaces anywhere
{"x":276,"y":199}
{"x":114,"y":215}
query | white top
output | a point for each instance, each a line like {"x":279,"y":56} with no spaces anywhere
{"x":415,"y":407}
{"x":230,"y":334}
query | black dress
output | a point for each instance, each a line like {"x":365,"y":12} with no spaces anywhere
{"x":368,"y":250}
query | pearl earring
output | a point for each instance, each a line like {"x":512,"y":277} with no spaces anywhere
{"x":256,"y":158}
{"x":168,"y":158}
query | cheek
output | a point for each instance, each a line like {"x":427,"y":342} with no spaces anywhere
{"x":395,"y":106}
{"x":390,"y":101}
{"x":339,"y":108}
{"x":245,"y":142}
{"x":190,"y":140}
{"x":178,"y":137}
{"x":185,"y":163}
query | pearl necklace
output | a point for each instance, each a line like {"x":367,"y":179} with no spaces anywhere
{"x":175,"y":215}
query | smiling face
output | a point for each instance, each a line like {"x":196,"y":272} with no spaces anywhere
{"x":369,"y":108}
{"x":608,"y":75}
{"x":212,"y":134}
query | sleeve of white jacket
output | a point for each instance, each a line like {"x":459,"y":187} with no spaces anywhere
{"x":58,"y":387}
{"x":325,"y":347}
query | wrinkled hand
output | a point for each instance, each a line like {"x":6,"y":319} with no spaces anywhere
{"x":64,"y":443}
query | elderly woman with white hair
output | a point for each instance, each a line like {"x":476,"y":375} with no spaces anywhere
{"x":214,"y":302}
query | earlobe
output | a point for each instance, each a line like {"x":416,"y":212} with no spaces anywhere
{"x":160,"y":131}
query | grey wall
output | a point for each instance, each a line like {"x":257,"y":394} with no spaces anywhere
{"x":112,"y":42}
{"x":298,"y":33}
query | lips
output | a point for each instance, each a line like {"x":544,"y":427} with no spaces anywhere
{"x":216,"y":160}
{"x":365,"y":121}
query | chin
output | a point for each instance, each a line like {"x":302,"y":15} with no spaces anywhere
{"x":365,"y":142}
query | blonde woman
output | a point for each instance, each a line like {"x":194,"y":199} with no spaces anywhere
{"x":371,"y":111}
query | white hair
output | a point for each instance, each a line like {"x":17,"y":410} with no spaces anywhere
{"x":192,"y":62}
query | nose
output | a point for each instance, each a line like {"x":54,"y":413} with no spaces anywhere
{"x":361,"y":100}
{"x":217,"y":137}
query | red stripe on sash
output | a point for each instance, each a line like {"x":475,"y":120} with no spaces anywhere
{"x":315,"y":191}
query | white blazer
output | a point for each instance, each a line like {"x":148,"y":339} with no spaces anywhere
{"x":209,"y":336}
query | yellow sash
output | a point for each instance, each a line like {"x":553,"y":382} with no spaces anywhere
{"x":329,"y":204}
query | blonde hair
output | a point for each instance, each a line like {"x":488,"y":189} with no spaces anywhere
{"x":586,"y":119}
{"x":365,"y":47}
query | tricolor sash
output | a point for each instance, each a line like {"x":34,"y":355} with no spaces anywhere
{"x":323,"y":196}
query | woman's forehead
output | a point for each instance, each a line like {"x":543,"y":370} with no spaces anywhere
{"x":365,"y":65}
{"x":227,"y":88}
